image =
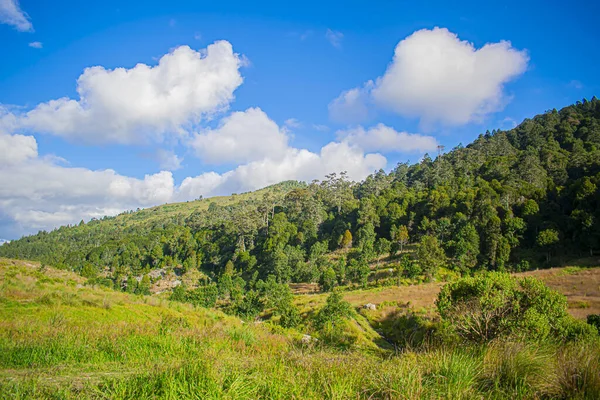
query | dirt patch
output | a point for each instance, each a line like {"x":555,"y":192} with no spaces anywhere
{"x":580,"y":286}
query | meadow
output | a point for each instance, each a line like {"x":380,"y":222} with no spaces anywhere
{"x":61,"y":339}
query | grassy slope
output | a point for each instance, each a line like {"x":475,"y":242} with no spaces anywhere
{"x":185,"y":209}
{"x":581,"y":286}
{"x":62,"y":339}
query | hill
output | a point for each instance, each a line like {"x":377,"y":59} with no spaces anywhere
{"x":512,"y":200}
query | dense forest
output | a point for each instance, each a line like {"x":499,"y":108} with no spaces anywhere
{"x":511,"y":200}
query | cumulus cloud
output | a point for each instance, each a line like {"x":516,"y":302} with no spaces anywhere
{"x":334,"y":37}
{"x":243,"y":136}
{"x":351,"y":106}
{"x":439,"y":78}
{"x":299,"y":164}
{"x":15,"y":149}
{"x":38,"y":193}
{"x":385,"y":139}
{"x":144,"y":103}
{"x":168,"y":160}
{"x":11,"y":14}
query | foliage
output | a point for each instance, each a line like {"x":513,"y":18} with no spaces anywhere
{"x":430,"y":255}
{"x":507,"y":201}
{"x":594,"y":320}
{"x":202,"y":296}
{"x":336,"y":309}
{"x":496,"y":305}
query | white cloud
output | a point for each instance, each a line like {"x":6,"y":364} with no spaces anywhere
{"x":168,"y":160}
{"x":243,"y":136}
{"x":321,"y":128}
{"x":36,"y":45}
{"x":440,"y":79}
{"x":334,"y":37}
{"x":11,"y":14}
{"x":385,"y":139}
{"x":15,"y":149}
{"x":143,"y":103}
{"x":37,"y":193}
{"x":299,"y":164}
{"x":351,"y":106}
{"x":292,"y":123}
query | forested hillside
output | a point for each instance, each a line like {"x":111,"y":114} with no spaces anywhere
{"x":511,"y":200}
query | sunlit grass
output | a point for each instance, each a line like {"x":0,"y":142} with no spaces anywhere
{"x":62,"y":339}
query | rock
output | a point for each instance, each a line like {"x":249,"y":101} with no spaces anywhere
{"x":156,"y":273}
{"x":370,"y":306}
{"x":307,"y":339}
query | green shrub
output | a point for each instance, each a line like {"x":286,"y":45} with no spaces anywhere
{"x":594,"y":320}
{"x":406,"y":329}
{"x":249,"y":306}
{"x":494,"y":305}
{"x":335,"y":310}
{"x":203,"y":296}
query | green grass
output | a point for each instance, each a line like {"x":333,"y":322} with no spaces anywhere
{"x":62,"y":340}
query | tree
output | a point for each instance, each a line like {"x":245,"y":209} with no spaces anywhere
{"x":466,"y":248}
{"x":335,"y":310}
{"x":430,"y":255}
{"x":400,"y":235}
{"x":328,"y":279}
{"x":144,"y":286}
{"x":346,"y":242}
{"x":547,"y":239}
{"x":358,"y":271}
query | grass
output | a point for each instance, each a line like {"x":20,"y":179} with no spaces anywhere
{"x":60,"y":339}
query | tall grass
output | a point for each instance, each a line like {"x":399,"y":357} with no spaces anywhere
{"x":68,"y":345}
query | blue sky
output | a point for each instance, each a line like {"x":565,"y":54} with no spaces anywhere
{"x":296,"y":89}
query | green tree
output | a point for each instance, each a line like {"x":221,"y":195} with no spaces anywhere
{"x":400,"y":235}
{"x":328,"y":279}
{"x":547,"y":239}
{"x":335,"y":310}
{"x":144,"y":286}
{"x":430,"y":255}
{"x":466,"y":248}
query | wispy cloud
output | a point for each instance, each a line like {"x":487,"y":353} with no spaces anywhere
{"x":334,"y":37}
{"x":321,"y":128}
{"x":36,"y":45}
{"x":11,"y":14}
{"x":293,"y":123}
{"x":575,"y":84}
{"x":305,"y":34}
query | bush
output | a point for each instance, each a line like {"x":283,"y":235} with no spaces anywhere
{"x":594,"y":320}
{"x":335,"y":310}
{"x":494,"y":305}
{"x":249,"y":306}
{"x":203,"y":296}
{"x":289,"y":315}
{"x":408,"y":329}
